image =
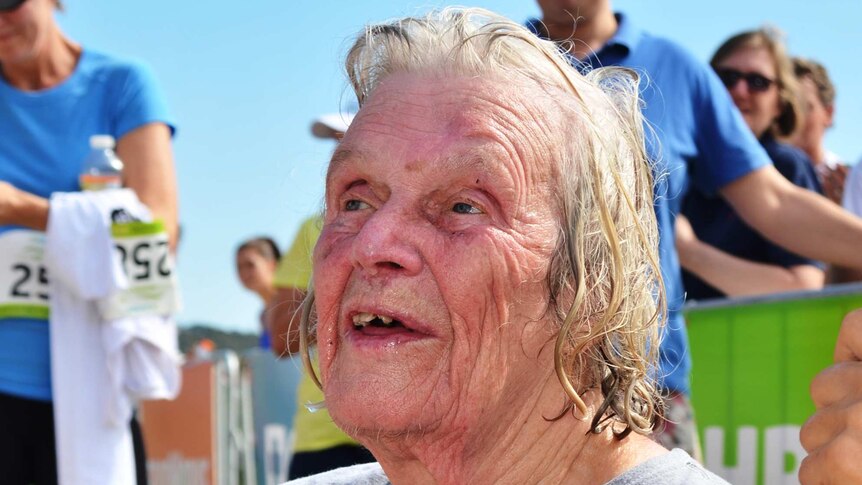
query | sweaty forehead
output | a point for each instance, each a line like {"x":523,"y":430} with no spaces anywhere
{"x":427,"y":115}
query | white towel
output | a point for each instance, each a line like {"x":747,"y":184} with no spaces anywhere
{"x":99,"y":369}
{"x":142,"y":361}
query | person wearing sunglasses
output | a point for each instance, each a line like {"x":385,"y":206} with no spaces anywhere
{"x":721,"y":255}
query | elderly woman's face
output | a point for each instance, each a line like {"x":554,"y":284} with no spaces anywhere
{"x":430,"y":272}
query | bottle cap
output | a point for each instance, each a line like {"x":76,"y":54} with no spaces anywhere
{"x":102,"y":141}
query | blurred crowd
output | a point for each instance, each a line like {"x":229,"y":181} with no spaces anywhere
{"x":749,"y":200}
{"x":789,"y":105}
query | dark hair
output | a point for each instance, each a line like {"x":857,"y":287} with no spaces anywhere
{"x":788,"y":87}
{"x":817,"y":73}
{"x":265,"y":246}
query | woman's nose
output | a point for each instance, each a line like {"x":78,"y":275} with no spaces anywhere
{"x":386,"y":244}
{"x":739,"y":88}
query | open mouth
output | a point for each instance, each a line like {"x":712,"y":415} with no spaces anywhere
{"x":385,"y":328}
{"x":370,"y":321}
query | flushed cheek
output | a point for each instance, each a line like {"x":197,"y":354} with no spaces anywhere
{"x":327,"y":338}
{"x":331,"y":260}
{"x":332,"y":238}
{"x":495,"y":289}
{"x":495,"y":268}
{"x":332,"y":270}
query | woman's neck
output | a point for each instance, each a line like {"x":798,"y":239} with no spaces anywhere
{"x":51,"y":64}
{"x":524,"y":446}
{"x":815,"y":152}
{"x":586,"y":35}
{"x":266,"y":294}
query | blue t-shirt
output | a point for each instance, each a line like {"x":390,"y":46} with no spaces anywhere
{"x":695,"y":135}
{"x":717,"y":224}
{"x":45,"y":140}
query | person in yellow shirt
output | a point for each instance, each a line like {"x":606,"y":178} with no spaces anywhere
{"x":320,"y":445}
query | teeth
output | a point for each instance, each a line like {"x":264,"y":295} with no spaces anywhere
{"x":364,"y":318}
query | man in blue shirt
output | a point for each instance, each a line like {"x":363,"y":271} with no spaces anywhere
{"x":698,"y":137}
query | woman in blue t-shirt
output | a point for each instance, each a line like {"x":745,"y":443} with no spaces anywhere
{"x":720,"y":254}
{"x":54,"y":95}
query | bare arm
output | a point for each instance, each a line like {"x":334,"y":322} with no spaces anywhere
{"x":833,"y":435}
{"x":22,"y":208}
{"x":283,"y":314}
{"x":149,"y":171}
{"x":797,"y":219}
{"x":736,"y":276}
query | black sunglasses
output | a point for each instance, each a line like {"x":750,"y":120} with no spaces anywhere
{"x":756,"y":82}
{"x":10,"y":5}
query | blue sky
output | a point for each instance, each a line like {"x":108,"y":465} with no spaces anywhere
{"x":245,"y":80}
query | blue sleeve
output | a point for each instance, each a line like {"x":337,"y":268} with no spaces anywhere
{"x":139,"y":101}
{"x":727,"y":149}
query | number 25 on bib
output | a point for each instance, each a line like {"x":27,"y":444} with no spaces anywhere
{"x":23,"y":279}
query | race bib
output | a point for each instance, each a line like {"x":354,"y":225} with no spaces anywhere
{"x":142,"y":248}
{"x":23,"y":279}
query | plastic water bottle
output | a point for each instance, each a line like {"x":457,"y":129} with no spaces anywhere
{"x":102,"y":169}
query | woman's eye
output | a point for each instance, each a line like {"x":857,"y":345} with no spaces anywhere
{"x":465,"y":208}
{"x":355,"y":205}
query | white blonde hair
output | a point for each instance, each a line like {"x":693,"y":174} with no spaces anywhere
{"x":604,"y":283}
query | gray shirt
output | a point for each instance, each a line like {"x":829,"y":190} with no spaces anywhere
{"x":674,"y":468}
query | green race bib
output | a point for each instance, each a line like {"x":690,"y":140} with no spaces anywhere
{"x":23,"y":279}
{"x":153,"y":290}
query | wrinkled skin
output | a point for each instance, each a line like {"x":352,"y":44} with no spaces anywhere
{"x":759,"y":109}
{"x":439,"y":214}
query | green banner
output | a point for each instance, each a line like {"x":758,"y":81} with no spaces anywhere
{"x":754,"y":360}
